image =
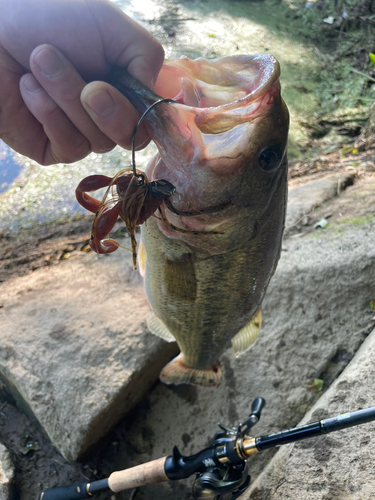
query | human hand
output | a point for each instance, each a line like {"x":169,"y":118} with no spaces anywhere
{"x":48,"y":51}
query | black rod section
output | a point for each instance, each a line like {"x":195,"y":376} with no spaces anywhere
{"x":348,"y":420}
{"x":288,"y":436}
{"x":77,"y":491}
{"x":315,"y":429}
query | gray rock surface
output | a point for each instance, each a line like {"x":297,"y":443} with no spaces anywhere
{"x":340,"y":465}
{"x":74,"y":347}
{"x":314,"y":312}
{"x":6,"y":474}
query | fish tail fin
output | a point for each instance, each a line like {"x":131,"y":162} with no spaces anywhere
{"x":176,"y":372}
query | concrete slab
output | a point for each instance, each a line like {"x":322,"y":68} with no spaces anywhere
{"x":6,"y":474}
{"x":74,"y":347}
{"x":340,"y":465}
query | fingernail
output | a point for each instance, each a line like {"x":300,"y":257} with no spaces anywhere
{"x":31,"y":84}
{"x":101,"y":102}
{"x":49,"y":63}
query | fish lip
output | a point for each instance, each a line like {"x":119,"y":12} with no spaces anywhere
{"x":199,"y":212}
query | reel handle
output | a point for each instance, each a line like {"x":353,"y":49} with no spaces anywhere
{"x":257,"y":406}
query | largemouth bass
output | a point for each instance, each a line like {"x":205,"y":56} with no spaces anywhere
{"x":208,"y":259}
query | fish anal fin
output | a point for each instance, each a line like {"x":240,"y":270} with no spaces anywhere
{"x":157,"y":327}
{"x":176,"y":372}
{"x":246,"y":337}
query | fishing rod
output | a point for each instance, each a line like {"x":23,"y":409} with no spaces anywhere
{"x":220,"y":468}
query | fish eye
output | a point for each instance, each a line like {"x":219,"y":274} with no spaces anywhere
{"x":270,"y":157}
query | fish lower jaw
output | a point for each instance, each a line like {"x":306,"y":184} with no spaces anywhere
{"x":193,"y":184}
{"x":176,"y":372}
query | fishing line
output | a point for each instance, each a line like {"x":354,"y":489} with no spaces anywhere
{"x":141,"y":176}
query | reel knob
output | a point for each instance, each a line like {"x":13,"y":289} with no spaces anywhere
{"x":211,"y":485}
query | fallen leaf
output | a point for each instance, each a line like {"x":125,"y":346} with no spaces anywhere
{"x":316,"y":385}
{"x":323,"y":223}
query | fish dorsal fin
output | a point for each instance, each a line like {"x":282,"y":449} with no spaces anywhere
{"x":246,"y":337}
{"x":157,"y":327}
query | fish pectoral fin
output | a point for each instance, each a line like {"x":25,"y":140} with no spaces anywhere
{"x":141,"y":258}
{"x":176,"y":372}
{"x":157,"y":327}
{"x":246,"y":337}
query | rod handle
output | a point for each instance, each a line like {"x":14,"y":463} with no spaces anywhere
{"x":140,"y":475}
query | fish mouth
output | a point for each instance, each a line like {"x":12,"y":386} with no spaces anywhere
{"x":204,"y":138}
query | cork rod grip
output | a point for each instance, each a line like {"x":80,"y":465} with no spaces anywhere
{"x":149,"y":473}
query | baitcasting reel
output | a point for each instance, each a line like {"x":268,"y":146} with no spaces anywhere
{"x":221,"y":470}
{"x":231,"y":477}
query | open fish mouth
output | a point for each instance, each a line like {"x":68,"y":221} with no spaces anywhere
{"x":228,"y":118}
{"x":232,"y":82}
{"x":219,"y":103}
